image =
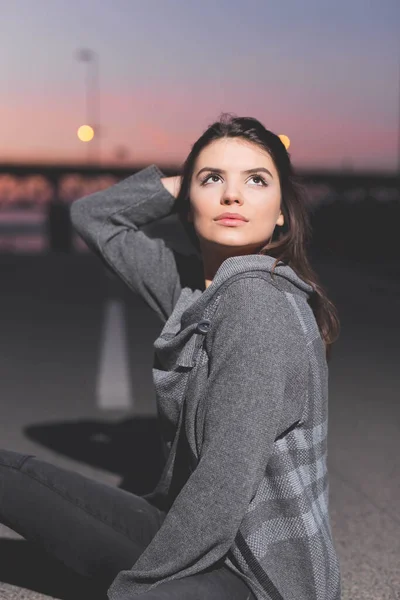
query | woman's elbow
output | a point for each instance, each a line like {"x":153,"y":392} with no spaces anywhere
{"x":83,"y":216}
{"x":78,"y":211}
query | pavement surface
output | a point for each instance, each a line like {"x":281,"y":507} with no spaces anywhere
{"x":78,"y":395}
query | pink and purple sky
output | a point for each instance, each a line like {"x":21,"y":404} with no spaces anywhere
{"x":325,"y":73}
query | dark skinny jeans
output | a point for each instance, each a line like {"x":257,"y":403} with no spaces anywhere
{"x":95,"y":529}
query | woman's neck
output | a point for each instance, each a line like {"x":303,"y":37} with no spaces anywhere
{"x":212,"y":260}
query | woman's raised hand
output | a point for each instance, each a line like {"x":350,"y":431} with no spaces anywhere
{"x":172,"y":184}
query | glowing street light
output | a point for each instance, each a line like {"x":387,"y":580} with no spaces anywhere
{"x":285,"y":140}
{"x":85,"y":133}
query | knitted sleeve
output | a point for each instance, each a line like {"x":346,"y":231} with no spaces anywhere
{"x":257,"y":377}
{"x":110,"y":222}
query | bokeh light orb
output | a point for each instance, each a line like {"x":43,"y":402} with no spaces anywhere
{"x":285,"y":140}
{"x":85,"y":133}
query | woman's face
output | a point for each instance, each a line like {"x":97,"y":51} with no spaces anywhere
{"x":222,"y":182}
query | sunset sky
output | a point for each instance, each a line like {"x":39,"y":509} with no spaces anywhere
{"x":325,"y":73}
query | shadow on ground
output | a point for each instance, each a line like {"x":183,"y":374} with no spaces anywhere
{"x":130,"y":448}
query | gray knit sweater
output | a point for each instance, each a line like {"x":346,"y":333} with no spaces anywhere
{"x":242,"y":397}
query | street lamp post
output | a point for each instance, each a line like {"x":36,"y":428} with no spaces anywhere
{"x":92,"y":101}
{"x":398,"y":139}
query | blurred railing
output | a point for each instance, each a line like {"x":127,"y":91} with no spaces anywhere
{"x":353,"y":213}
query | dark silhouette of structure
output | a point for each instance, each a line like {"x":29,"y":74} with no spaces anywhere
{"x":59,"y":227}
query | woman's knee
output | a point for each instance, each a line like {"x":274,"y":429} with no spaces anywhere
{"x":13,"y":460}
{"x":10,"y":466}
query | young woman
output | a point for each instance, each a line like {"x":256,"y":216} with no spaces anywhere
{"x":241,"y":378}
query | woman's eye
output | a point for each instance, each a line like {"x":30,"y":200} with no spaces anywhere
{"x":260,"y":179}
{"x":208,"y":177}
{"x":263,"y":182}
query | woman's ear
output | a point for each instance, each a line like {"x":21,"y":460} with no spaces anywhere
{"x":281,"y":220}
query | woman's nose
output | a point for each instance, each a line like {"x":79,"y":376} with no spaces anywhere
{"x":231,"y":195}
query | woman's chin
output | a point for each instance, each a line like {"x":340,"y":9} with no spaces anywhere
{"x":231,"y":243}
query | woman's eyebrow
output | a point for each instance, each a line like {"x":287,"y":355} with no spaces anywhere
{"x":222,"y":172}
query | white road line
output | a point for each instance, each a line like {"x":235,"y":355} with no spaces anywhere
{"x":113,"y":387}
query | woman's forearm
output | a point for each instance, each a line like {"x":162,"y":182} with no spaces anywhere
{"x":126,"y":205}
{"x":110,"y":222}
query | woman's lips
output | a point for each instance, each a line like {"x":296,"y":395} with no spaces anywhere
{"x":231,"y":222}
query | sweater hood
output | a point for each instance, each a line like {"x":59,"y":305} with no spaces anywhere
{"x":284,"y":276}
{"x":258,"y":262}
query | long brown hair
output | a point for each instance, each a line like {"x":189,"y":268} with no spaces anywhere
{"x":289,"y":242}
